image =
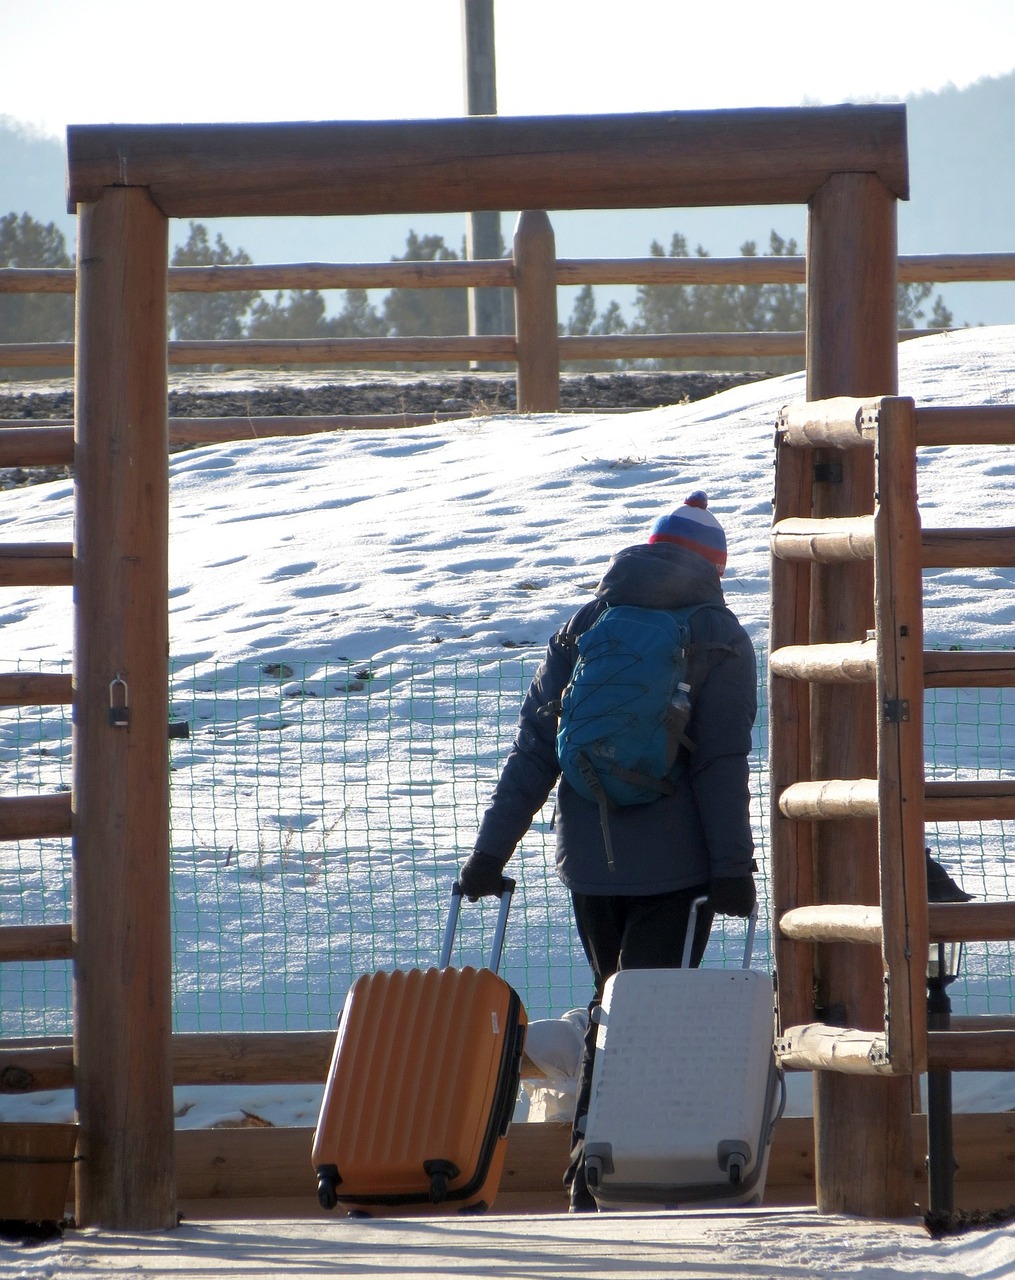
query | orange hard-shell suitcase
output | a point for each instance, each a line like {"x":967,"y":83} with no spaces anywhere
{"x":422,"y":1086}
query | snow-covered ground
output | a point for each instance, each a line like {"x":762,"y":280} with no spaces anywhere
{"x":353,"y":620}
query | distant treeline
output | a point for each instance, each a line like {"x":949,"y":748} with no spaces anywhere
{"x":302,"y":313}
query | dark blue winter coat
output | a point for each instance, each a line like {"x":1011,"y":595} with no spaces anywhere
{"x":681,"y":840}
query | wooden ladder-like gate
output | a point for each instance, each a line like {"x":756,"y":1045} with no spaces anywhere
{"x":813,"y":1034}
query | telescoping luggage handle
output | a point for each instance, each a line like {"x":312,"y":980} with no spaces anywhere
{"x":507,"y":888}
{"x":752,"y":924}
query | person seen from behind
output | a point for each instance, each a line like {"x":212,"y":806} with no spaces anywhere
{"x":633,"y":870}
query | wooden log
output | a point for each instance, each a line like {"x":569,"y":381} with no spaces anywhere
{"x":28,"y":817}
{"x":282,"y":351}
{"x":36,"y":446}
{"x":971,"y":1050}
{"x":789,"y":745}
{"x":968,"y":548}
{"x":34,"y":689}
{"x":864,"y":1140}
{"x":37,"y":355}
{"x":199,"y":1058}
{"x":965,"y":425}
{"x":832,"y":799}
{"x":674,"y":346}
{"x":970,"y":801}
{"x":121,"y":883}
{"x":537,"y":346}
{"x":971,"y":921}
{"x":20,"y":942}
{"x":824,"y":541}
{"x":673,"y":159}
{"x":833,"y":922}
{"x":898,"y":593}
{"x":964,"y":669}
{"x":854,"y":661}
{"x":846,"y":1050}
{"x":36,"y":564}
{"x":767,"y":269}
{"x":842,"y":422}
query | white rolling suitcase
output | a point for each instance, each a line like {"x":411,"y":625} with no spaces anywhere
{"x":685,"y":1087}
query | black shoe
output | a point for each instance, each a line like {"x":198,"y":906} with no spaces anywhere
{"x":941,"y":887}
{"x":582,"y":1201}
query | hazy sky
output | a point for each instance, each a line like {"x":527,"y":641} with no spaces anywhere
{"x":88,"y":61}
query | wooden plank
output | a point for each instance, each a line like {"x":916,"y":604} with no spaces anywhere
{"x":36,"y":446}
{"x":646,"y":346}
{"x":970,"y":801}
{"x":536,"y":314}
{"x":35,"y":942}
{"x":968,"y":548}
{"x":36,"y":564}
{"x":247,"y":352}
{"x":841,"y":422}
{"x":965,"y":425}
{"x":964,"y":669}
{"x":833,"y":922}
{"x":31,"y":817}
{"x":971,"y":1050}
{"x":789,"y":743}
{"x":832,"y":799}
{"x":854,"y":662}
{"x":971,"y":921}
{"x":35,"y":688}
{"x":898,"y":612}
{"x":824,"y":541}
{"x":672,"y":159}
{"x":121,"y":882}
{"x":273,"y":1167}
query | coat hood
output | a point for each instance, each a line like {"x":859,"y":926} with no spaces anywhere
{"x":660,"y":576}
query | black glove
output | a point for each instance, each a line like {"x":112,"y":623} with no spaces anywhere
{"x":481,"y":876}
{"x":732,"y":895}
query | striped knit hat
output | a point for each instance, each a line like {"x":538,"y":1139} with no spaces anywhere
{"x":695,"y":528}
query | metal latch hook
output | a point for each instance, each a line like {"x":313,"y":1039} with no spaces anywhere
{"x":119,"y":702}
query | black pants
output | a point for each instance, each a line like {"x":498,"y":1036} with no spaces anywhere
{"x":626,"y":933}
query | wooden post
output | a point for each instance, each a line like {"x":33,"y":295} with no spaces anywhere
{"x":863,"y":1134}
{"x":536,"y":313}
{"x":121,"y":913}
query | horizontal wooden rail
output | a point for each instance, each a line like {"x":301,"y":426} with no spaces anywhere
{"x":971,"y":1050}
{"x":841,"y":422}
{"x":35,"y":817}
{"x":965,"y":668}
{"x":855,"y":662}
{"x":35,"y":688}
{"x":499,"y":273}
{"x":247,"y":1058}
{"x":848,"y":662}
{"x":830,"y":799}
{"x":35,"y":942}
{"x":969,"y":801}
{"x":960,"y":425}
{"x":971,"y":921}
{"x":832,"y":922}
{"x":644,"y":160}
{"x":823,"y":541}
{"x":968,"y":548}
{"x":818,"y":1047}
{"x":36,"y":564}
{"x":35,"y":446}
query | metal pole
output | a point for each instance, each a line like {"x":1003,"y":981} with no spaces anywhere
{"x":941,"y":1164}
{"x":488,"y":308}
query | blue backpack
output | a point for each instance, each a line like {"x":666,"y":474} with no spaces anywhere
{"x":621,"y":720}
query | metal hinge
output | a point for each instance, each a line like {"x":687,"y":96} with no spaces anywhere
{"x":896,"y":710}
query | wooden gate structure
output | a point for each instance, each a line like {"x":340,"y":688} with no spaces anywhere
{"x":847,"y":164}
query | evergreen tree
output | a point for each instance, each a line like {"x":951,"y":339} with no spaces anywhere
{"x":411,"y":312}
{"x":358,"y":318}
{"x":208,"y":316}
{"x":33,"y":317}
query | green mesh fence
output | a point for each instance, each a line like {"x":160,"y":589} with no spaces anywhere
{"x":319,"y":815}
